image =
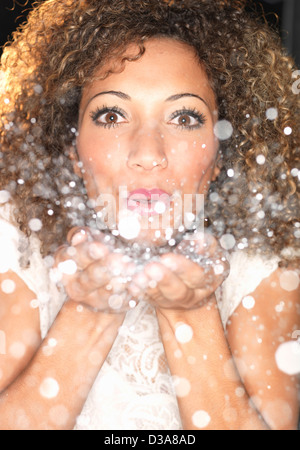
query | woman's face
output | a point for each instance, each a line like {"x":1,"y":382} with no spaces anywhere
{"x":146,"y":141}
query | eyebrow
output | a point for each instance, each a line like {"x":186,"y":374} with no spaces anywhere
{"x":185,"y":94}
{"x":119,"y":94}
{"x":172,"y":98}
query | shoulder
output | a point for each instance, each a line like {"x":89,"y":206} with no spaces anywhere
{"x":270,"y":313}
{"x":19,"y":326}
{"x":19,"y":253}
{"x":245,"y":275}
{"x":276,"y":293}
{"x":22,"y":256}
{"x":262,"y":335}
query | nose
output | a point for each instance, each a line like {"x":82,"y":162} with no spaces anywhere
{"x":147,"y":151}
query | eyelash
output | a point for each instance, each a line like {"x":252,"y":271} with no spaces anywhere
{"x":189,"y":112}
{"x":184,"y":111}
{"x":105,"y":110}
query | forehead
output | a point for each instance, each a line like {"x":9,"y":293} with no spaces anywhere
{"x":165,"y":64}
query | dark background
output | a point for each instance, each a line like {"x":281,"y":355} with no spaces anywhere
{"x":13,"y":12}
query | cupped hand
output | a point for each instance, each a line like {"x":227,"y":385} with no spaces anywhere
{"x":92,"y":274}
{"x":176,"y":281}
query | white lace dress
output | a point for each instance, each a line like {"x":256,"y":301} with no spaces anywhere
{"x":133,"y":390}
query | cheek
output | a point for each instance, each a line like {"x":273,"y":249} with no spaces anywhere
{"x":99,"y":155}
{"x":100,"y":162}
{"x":193,"y":157}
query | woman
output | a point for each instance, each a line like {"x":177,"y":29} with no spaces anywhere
{"x":114,"y":114}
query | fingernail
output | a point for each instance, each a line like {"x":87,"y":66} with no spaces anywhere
{"x":154,"y":272}
{"x":95,"y":251}
{"x":169,"y":263}
{"x":79,"y":237}
{"x":141,"y":281}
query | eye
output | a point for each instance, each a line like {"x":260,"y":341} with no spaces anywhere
{"x":108,"y":117}
{"x":187,"y":119}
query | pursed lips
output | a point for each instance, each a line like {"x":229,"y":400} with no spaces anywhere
{"x":148,"y":201}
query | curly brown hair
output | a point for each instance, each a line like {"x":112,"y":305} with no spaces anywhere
{"x":56,"y":53}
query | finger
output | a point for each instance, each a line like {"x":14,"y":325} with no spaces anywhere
{"x":86,"y":245}
{"x":168,"y":288}
{"x":84,"y":282}
{"x":62,"y":255}
{"x":204,"y":244}
{"x":111,"y":273}
{"x":212,"y":257}
{"x":164,"y":282}
{"x":197,"y":276}
{"x":187,"y":270}
{"x":83,"y":254}
{"x":109,"y":302}
{"x":78,"y":235}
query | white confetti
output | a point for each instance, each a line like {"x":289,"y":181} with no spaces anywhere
{"x":38,"y":89}
{"x":294,"y":172}
{"x":287,"y":357}
{"x":227,"y":241}
{"x":223,"y":130}
{"x":8,"y":286}
{"x":289,"y":280}
{"x":287,"y":131}
{"x":49,"y":388}
{"x":260,"y":159}
{"x":17,"y":350}
{"x":214,"y":197}
{"x":183,"y":333}
{"x":272,"y":113}
{"x":248,"y":302}
{"x":68,"y":267}
{"x":115,"y":301}
{"x":201,"y":419}
{"x":182,"y":386}
{"x":132,"y":304}
{"x":35,"y":224}
{"x":261,"y":214}
{"x":34,"y":304}
{"x":129,"y":227}
{"x":218,"y":269}
{"x":59,"y":415}
{"x":240,"y":392}
{"x":160,"y":207}
{"x":52,"y":342}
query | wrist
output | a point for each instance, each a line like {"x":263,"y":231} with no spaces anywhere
{"x":95,"y":316}
{"x":189,"y":314}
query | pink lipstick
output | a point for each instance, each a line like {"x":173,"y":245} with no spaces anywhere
{"x":148,"y":202}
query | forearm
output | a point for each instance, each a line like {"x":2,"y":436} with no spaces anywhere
{"x":52,"y":390}
{"x":207,"y":379}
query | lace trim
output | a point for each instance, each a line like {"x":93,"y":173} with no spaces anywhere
{"x":135,"y":384}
